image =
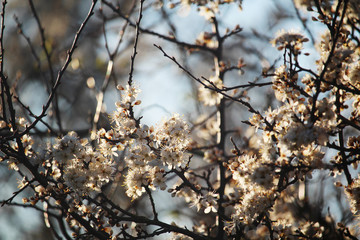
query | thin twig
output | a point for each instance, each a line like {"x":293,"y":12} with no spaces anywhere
{"x":152,"y":202}
{"x":49,"y":62}
{"x":147,"y":31}
{"x":303,"y":22}
{"x":16,"y":193}
{"x":141,"y":219}
{"x":52,"y":131}
{"x":2,"y":27}
{"x":235,"y":99}
{"x":137,"y":33}
{"x":109,"y":71}
{"x":28,"y":40}
{"x":61,"y":71}
{"x":4,"y":2}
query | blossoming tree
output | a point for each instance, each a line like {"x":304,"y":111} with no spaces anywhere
{"x":247,"y":177}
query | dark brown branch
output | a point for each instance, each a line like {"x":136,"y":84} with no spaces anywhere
{"x":140,"y":219}
{"x":137,"y":33}
{"x":2,"y":27}
{"x":152,"y":202}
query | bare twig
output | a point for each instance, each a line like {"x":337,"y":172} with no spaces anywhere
{"x":4,"y":114}
{"x":8,"y":201}
{"x":137,"y":33}
{"x":147,"y":31}
{"x":49,"y":62}
{"x":303,"y":22}
{"x":152,"y":202}
{"x":235,"y":99}
{"x":52,"y":131}
{"x":61,"y":71}
{"x":109,"y":71}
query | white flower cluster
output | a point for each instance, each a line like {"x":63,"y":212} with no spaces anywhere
{"x":291,"y":40}
{"x":341,"y":62}
{"x":255,"y":201}
{"x":207,"y":128}
{"x":172,"y":139}
{"x":207,"y":8}
{"x":83,"y":169}
{"x":353,"y":194}
{"x":207,"y":202}
{"x":149,"y":150}
{"x":283,"y":85}
{"x":207,"y":39}
{"x":208,"y":96}
{"x":295,"y":140}
{"x":26,"y":140}
{"x":249,"y":170}
{"x":255,"y":179}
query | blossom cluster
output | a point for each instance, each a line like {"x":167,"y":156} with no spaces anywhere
{"x":83,"y":169}
{"x":295,"y":134}
{"x":248,"y":170}
{"x":207,"y":8}
{"x":255,"y":181}
{"x":150,"y":151}
{"x":353,"y":194}
{"x":208,"y":95}
{"x":291,"y":40}
{"x":296,"y":140}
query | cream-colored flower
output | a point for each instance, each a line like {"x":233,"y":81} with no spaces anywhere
{"x":211,"y":97}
